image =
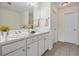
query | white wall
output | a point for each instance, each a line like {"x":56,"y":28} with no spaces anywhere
{"x":10,"y":18}
{"x":53,"y":24}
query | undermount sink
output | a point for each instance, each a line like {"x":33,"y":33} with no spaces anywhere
{"x":15,"y":37}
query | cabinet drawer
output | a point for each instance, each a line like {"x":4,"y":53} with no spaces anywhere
{"x":33,"y":39}
{"x":13,"y":46}
{"x":46,"y":36}
{"x":19,"y":52}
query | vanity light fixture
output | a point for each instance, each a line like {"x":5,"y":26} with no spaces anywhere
{"x":9,"y":3}
{"x":62,"y":4}
{"x":34,"y":4}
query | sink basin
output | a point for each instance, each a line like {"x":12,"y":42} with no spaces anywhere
{"x":17,"y":36}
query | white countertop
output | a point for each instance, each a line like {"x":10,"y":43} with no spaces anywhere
{"x":20,"y":36}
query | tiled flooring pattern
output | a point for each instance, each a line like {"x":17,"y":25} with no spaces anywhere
{"x":63,"y":49}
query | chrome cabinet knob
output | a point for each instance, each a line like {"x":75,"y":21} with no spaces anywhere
{"x":23,"y":49}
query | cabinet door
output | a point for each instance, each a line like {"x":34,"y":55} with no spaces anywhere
{"x":32,"y":49}
{"x":46,"y":43}
{"x":41,"y":47}
{"x":19,"y":52}
{"x":6,"y":49}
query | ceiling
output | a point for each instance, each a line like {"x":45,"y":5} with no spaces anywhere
{"x":70,"y":4}
{"x":16,"y":6}
{"x":23,"y":6}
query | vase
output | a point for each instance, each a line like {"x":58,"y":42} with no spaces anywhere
{"x":0,"y":36}
{"x":4,"y":36}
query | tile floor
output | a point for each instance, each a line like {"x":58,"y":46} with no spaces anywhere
{"x":63,"y":49}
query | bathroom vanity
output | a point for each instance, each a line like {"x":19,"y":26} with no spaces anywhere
{"x":28,"y":45}
{"x":37,"y":45}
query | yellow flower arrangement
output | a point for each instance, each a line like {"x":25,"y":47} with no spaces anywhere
{"x":22,"y":26}
{"x":28,"y":26}
{"x":4,"y":28}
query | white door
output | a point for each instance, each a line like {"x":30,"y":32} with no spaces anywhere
{"x":70,"y":27}
{"x":32,"y":49}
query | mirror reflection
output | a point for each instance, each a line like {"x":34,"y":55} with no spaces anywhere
{"x":19,"y":14}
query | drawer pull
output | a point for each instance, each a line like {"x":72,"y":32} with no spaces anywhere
{"x":23,"y":49}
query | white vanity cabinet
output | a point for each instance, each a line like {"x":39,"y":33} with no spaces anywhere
{"x":17,"y":48}
{"x":43,"y":43}
{"x":32,"y":46}
{"x":32,"y":49}
{"x":37,"y":45}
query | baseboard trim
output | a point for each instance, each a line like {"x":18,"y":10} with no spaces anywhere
{"x":44,"y":52}
{"x":77,"y":43}
{"x":68,"y":42}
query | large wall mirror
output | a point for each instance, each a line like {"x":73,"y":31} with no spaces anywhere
{"x":15,"y":14}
